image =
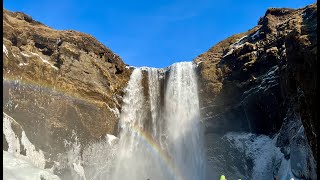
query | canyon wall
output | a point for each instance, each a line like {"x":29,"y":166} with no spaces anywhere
{"x":263,"y":81}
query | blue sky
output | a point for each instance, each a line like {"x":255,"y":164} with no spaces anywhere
{"x":153,"y":33}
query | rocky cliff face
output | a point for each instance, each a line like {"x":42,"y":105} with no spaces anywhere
{"x":59,"y":83}
{"x":255,"y":81}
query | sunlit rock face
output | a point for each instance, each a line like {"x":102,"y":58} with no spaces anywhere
{"x":68,"y":62}
{"x":64,"y":95}
{"x":59,"y":85}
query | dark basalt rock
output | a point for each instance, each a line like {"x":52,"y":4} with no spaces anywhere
{"x":250,"y":80}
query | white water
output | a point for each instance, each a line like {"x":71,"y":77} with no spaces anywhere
{"x":167,"y":144}
{"x":182,"y":114}
{"x":154,"y":98}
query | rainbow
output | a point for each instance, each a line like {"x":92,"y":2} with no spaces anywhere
{"x":40,"y":86}
{"x":144,"y":136}
{"x":156,"y":150}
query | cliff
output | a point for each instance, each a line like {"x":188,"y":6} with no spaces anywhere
{"x":62,"y":84}
{"x":57,"y":83}
{"x":258,"y":80}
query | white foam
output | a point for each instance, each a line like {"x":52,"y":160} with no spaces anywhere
{"x":79,"y":169}
{"x":99,"y":157}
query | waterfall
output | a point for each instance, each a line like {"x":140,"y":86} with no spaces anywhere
{"x":154,"y":96}
{"x":160,"y":130}
{"x":185,"y":142}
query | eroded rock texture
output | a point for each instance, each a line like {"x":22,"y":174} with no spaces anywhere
{"x":59,"y":83}
{"x":263,"y":81}
{"x":251,"y":81}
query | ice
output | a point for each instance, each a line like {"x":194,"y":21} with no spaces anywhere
{"x":260,"y":148}
{"x":10,"y":136}
{"x":284,"y":172}
{"x":18,"y":169}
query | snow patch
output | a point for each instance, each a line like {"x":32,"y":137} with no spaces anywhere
{"x":19,"y":169}
{"x":198,"y":63}
{"x":228,"y":53}
{"x":128,"y":67}
{"x":240,"y":41}
{"x":235,"y":46}
{"x":255,"y":35}
{"x":5,"y":50}
{"x":45,"y":61}
{"x":17,"y":166}
{"x":268,"y":80}
{"x":24,"y":54}
{"x":23,"y":64}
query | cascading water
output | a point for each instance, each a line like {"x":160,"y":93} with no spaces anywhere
{"x":161,"y":135}
{"x":182,"y":114}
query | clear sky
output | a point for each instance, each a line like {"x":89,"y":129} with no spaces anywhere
{"x":153,"y":33}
